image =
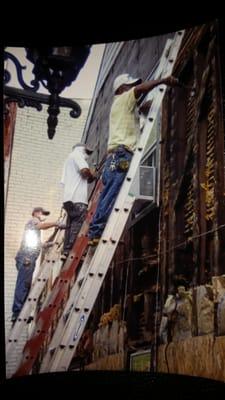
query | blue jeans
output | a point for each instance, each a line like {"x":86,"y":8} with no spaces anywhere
{"x":25,"y":265}
{"x":112,"y":179}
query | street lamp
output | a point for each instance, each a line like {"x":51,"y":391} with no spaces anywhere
{"x":54,"y":67}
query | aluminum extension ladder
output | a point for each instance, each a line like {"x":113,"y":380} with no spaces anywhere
{"x":57,"y":336}
{"x":53,"y":303}
{"x":81,"y":301}
{"x":36,"y":290}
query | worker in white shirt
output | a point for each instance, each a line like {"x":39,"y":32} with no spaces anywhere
{"x":75,"y":178}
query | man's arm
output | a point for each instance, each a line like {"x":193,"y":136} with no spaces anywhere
{"x":47,"y":225}
{"x":146,"y":87}
{"x":144,"y":109}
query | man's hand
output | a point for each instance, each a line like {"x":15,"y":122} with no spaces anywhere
{"x":171,"y":81}
{"x":93,"y":175}
{"x":146,"y":87}
{"x":46,"y":245}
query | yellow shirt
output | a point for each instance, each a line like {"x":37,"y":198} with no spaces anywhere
{"x":123,"y":122}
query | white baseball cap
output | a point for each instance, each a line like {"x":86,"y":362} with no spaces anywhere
{"x":124,"y":79}
{"x":87,"y":147}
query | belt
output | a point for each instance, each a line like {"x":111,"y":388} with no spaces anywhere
{"x":114,"y":150}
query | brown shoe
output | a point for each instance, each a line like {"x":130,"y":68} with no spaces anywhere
{"x":94,"y":242}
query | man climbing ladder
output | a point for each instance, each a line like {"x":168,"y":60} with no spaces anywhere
{"x":124,"y":133}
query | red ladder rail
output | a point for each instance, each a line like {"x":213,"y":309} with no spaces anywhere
{"x":59,"y":291}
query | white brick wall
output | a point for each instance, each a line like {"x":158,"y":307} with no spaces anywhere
{"x":34,"y":180}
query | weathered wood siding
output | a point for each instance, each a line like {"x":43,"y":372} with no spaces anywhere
{"x":202,"y":356}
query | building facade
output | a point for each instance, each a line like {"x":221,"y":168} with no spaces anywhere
{"x":161,"y":307}
{"x":164,"y":291}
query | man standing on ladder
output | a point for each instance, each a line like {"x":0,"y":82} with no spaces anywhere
{"x":75,"y":178}
{"x":27,"y":255}
{"x":124,"y":133}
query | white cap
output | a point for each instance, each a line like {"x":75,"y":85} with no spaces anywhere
{"x":124,"y":79}
{"x":87,"y":147}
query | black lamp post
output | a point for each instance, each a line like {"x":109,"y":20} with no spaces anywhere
{"x":54,"y":67}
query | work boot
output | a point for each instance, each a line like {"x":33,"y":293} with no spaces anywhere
{"x":93,"y":242}
{"x":13,"y":319}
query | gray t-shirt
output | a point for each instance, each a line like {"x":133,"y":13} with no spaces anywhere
{"x":31,"y":240}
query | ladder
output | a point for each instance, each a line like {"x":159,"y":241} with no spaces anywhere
{"x":57,"y":336}
{"x":36,"y":290}
{"x":82,"y":300}
{"x":68,"y":308}
{"x":54,"y":302}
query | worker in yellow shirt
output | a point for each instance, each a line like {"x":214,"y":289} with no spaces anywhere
{"x":124,"y":133}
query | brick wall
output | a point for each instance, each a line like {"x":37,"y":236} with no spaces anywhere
{"x":34,"y":180}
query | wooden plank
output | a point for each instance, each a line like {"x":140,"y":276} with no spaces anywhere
{"x":113,"y":337}
{"x":202,"y":205}
{"x":114,"y":362}
{"x":219,"y":298}
{"x":9,"y":127}
{"x":219,"y":238}
{"x":104,"y":341}
{"x":122,"y":336}
{"x":201,"y":356}
{"x":97,"y":345}
{"x":164,"y":196}
{"x":172,"y":218}
{"x":182,"y":328}
{"x":205,"y":309}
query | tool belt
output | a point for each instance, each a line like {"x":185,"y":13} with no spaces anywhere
{"x":115,"y":149}
{"x":119,"y":162}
